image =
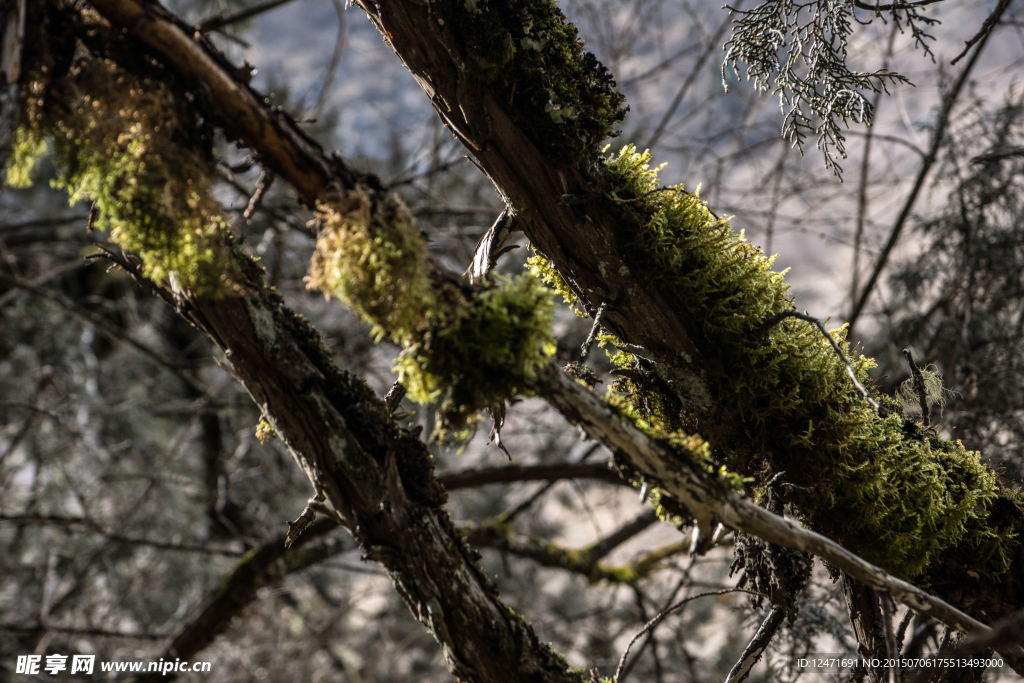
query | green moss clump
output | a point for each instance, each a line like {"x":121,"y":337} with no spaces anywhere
{"x":543,"y":270}
{"x":897,"y":500}
{"x":534,"y":62}
{"x":491,"y":353}
{"x":469,"y":348}
{"x":129,"y":144}
{"x":371,"y":256}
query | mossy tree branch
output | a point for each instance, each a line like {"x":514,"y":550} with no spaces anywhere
{"x":376,"y":478}
{"x":691,"y":298}
{"x":585,"y":241}
{"x":584,"y":561}
{"x":680,"y":475}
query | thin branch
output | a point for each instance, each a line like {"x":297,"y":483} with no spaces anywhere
{"x":104,"y":327}
{"x":891,"y":649}
{"x":85,"y":525}
{"x":221,"y":20}
{"x":779,"y":317}
{"x":938,"y":136}
{"x":691,"y":77}
{"x":755,"y":649}
{"x":990,"y":157}
{"x":650,"y":625}
{"x":919,"y":388}
{"x":986,"y":28}
{"x":332,"y":67}
{"x":472,"y":478}
{"x":496,"y":534}
{"x":55,"y":222}
{"x":594,"y":330}
{"x":263,"y":185}
{"x":539,"y":493}
{"x":680,"y":477}
{"x":95,"y":632}
{"x":263,"y":566}
{"x":683,"y":580}
{"x":901,"y":631}
{"x":859,"y":4}
{"x":1005,"y":633}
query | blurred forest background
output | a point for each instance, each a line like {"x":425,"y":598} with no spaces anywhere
{"x":131,"y":478}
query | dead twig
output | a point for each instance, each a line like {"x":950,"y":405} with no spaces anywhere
{"x":650,"y":625}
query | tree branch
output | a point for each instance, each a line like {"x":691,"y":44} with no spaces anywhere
{"x":376,"y":478}
{"x":584,"y":561}
{"x":679,"y":475}
{"x":222,"y":20}
{"x":88,"y":526}
{"x":472,"y":478}
{"x":949,"y":100}
{"x":262,"y":566}
{"x":580,"y":239}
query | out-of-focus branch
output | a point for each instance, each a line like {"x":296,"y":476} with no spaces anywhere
{"x":1004,"y":633}
{"x":84,"y":525}
{"x":221,"y":20}
{"x":104,"y":327}
{"x":39,"y":629}
{"x":472,"y":478}
{"x":262,"y":566}
{"x":949,"y":100}
{"x":585,"y":561}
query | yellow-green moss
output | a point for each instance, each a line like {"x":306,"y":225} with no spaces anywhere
{"x":373,"y":258}
{"x":470,"y":348}
{"x":127,"y":143}
{"x":542,"y":269}
{"x":264,"y":430}
{"x":533,"y":60}
{"x":897,"y":500}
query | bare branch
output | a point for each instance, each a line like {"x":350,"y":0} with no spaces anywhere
{"x":986,"y":28}
{"x":653,"y":623}
{"x":222,"y":20}
{"x":472,"y":478}
{"x":755,"y":649}
{"x":949,"y":100}
{"x":82,"y":524}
